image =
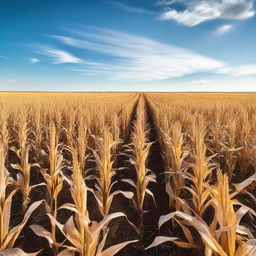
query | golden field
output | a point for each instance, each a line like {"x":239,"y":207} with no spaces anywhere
{"x":103,"y":174}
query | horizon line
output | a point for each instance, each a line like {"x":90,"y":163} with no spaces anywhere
{"x":252,"y":92}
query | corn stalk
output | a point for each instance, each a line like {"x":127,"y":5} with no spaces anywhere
{"x":105,"y":171}
{"x":54,"y":179}
{"x":24,"y":167}
{"x":175,"y":166}
{"x":9,"y":235}
{"x":202,"y":168}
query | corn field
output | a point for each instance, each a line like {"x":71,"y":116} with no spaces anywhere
{"x":103,"y":174}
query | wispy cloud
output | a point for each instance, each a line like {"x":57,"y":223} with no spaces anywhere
{"x":11,"y":80}
{"x":223,"y":29}
{"x":4,"y":57}
{"x":137,"y":58}
{"x":243,"y":70}
{"x":167,"y":2}
{"x":198,"y":11}
{"x":202,"y":81}
{"x":128,"y":8}
{"x":60,"y":56}
{"x":33,"y":60}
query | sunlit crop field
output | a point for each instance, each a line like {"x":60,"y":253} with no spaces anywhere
{"x":103,"y":174}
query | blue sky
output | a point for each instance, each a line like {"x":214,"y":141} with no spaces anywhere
{"x":122,"y":45}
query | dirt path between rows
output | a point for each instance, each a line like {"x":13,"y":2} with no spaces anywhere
{"x":156,"y":164}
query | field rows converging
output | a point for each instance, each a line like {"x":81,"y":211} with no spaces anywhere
{"x":127,"y":174}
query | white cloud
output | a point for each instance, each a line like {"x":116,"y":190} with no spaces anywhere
{"x":202,"y":82}
{"x":243,"y":70}
{"x":198,"y":11}
{"x":223,"y":29}
{"x":130,"y":8}
{"x":59,"y":56}
{"x":11,"y":80}
{"x":33,"y":60}
{"x":137,"y":58}
{"x":62,"y":56}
